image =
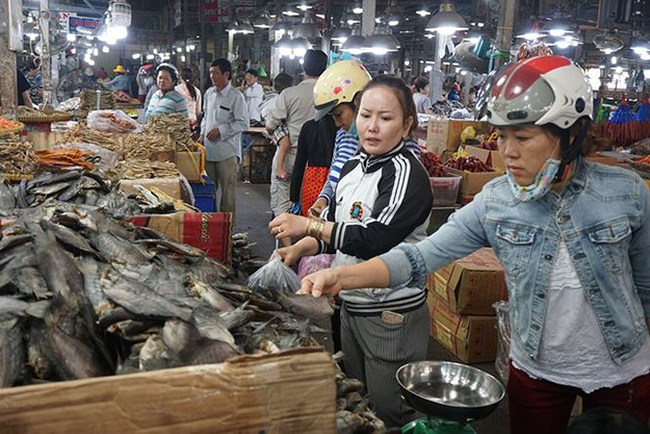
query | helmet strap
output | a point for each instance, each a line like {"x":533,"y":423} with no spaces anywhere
{"x":570,"y":150}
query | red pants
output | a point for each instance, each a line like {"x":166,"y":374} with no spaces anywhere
{"x":542,"y":407}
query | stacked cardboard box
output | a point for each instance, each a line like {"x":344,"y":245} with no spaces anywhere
{"x":289,"y":392}
{"x":461,"y":295}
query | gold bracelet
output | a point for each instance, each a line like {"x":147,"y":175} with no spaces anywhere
{"x":315,"y":228}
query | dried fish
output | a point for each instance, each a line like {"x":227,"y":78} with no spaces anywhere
{"x":176,"y":126}
{"x":146,"y":169}
{"x":16,"y":156}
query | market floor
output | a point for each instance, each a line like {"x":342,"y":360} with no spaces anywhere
{"x":253,"y":215}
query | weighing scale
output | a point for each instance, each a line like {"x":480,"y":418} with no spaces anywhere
{"x":450,"y":394}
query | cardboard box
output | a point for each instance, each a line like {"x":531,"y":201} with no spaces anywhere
{"x":473,"y":339}
{"x":210,"y":232}
{"x":491,"y":158}
{"x":472,"y":183}
{"x":170,"y":186}
{"x":471,"y":285}
{"x":191,"y":164}
{"x":293,"y":391}
{"x":447,"y":132}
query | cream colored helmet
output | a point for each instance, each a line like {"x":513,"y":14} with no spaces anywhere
{"x":339,"y":84}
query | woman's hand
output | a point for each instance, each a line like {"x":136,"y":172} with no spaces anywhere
{"x":321,"y":282}
{"x":289,"y":255}
{"x":288,"y":225}
{"x":318,"y":207}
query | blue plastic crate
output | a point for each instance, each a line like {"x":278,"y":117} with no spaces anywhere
{"x":203,"y":189}
{"x":204,"y":194}
{"x":205,"y":203}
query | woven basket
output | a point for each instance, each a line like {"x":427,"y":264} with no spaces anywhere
{"x":47,"y":116}
{"x":13,"y":130}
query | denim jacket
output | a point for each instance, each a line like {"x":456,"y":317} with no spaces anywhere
{"x":603,"y":216}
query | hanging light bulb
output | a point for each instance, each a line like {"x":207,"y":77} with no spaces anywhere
{"x":136,"y":56}
{"x":105,"y":49}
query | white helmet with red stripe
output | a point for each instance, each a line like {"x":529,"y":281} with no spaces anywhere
{"x":540,"y":90}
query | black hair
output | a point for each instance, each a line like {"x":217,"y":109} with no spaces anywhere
{"x":315,"y":63}
{"x":420,"y":83}
{"x":401,"y":92}
{"x":252,"y":72}
{"x":224,"y":66}
{"x":186,"y":75}
{"x":282,"y":81}
{"x":606,"y":421}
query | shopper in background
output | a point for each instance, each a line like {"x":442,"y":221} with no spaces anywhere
{"x":23,"y":90}
{"x":254,"y":94}
{"x":35,"y":80}
{"x":293,"y":107}
{"x":89,"y":76}
{"x":421,"y":95}
{"x":335,"y":93}
{"x":191,"y":94}
{"x":121,"y":81}
{"x":382,"y":199}
{"x":573,"y":238}
{"x":313,"y":159}
{"x":225,"y":117}
{"x":166,"y":100}
{"x":145,"y":80}
{"x":282,"y":81}
{"x":454,"y":93}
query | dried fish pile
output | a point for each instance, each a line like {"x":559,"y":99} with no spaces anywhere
{"x":147,"y":169}
{"x":16,"y":155}
{"x":75,"y":187}
{"x":176,"y":126}
{"x":88,"y":101}
{"x":353,"y":412}
{"x":145,"y":146}
{"x":129,"y":146}
{"x":85,"y":295}
{"x":81,"y":133}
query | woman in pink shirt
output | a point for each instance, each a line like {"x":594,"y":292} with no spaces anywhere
{"x":192,"y":94}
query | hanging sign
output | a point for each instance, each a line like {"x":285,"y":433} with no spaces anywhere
{"x":83,"y":25}
{"x":209,"y":12}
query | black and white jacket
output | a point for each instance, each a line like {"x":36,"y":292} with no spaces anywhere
{"x":381,"y":201}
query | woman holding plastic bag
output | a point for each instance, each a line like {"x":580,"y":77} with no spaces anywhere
{"x":574,"y":239}
{"x":382,"y":199}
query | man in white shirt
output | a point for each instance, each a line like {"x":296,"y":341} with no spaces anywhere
{"x":294,"y":106}
{"x":254,"y":94}
{"x":225,"y":118}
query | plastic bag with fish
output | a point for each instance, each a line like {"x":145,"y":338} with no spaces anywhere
{"x":274,"y":279}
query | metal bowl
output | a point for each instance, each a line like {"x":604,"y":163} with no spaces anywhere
{"x":452,"y":391}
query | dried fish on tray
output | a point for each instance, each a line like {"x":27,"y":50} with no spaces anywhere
{"x":16,"y":155}
{"x":85,"y":295}
{"x":147,"y":169}
{"x":78,"y":187}
{"x":176,"y":125}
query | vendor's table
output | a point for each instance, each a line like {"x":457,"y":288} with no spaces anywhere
{"x":258,"y":157}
